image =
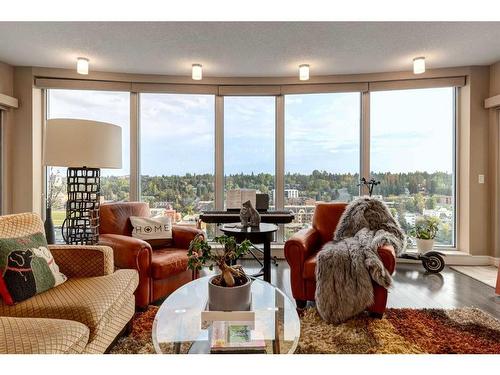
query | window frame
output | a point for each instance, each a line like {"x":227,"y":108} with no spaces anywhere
{"x":217,"y":90}
{"x":362,"y":134}
{"x":135,"y":140}
{"x":455,"y":169}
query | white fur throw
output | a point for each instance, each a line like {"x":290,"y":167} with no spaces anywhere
{"x":347,"y":265}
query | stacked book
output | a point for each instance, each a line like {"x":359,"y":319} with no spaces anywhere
{"x":236,"y":338}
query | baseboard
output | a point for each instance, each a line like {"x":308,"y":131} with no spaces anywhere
{"x":452,"y":258}
{"x":459,"y":260}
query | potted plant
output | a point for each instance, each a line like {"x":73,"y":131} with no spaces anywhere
{"x":425,"y":230}
{"x":229,"y":290}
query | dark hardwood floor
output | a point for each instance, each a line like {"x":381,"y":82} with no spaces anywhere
{"x":414,"y":288}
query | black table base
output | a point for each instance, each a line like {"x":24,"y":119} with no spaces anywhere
{"x":262,"y":235}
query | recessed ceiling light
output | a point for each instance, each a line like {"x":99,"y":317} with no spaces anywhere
{"x":82,"y":65}
{"x":304,"y":72}
{"x":196,"y":72}
{"x":418,"y":65}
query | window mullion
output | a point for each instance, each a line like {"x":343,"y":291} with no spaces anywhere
{"x":364,"y":159}
{"x":135,"y":144}
{"x":280,"y":161}
{"x":219,"y":153}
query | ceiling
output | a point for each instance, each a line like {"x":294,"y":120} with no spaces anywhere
{"x":249,"y":48}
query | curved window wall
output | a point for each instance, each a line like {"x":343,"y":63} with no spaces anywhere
{"x":189,"y":149}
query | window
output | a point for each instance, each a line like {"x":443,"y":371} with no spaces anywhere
{"x":112,"y":107}
{"x":412,"y":154}
{"x":411,"y":151}
{"x":177,"y":154}
{"x":322,"y":150}
{"x":249,"y":138}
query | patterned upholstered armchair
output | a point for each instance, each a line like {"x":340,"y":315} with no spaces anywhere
{"x":92,"y":307}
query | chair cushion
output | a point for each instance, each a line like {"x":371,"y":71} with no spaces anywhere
{"x":309,"y":271}
{"x":85,"y":300}
{"x":42,"y":336}
{"x":168,"y":262}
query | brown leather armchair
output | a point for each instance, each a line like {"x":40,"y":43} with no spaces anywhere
{"x":301,"y":250}
{"x":161,"y":270}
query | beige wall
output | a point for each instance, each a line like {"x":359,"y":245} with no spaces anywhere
{"x":6,"y":88}
{"x":494,"y":158}
{"x":473,"y":160}
{"x":26,"y":145}
{"x":6,"y":79}
{"x":472,"y":137}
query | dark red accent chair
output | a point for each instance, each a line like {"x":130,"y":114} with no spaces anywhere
{"x":161,"y":270}
{"x":301,"y":250}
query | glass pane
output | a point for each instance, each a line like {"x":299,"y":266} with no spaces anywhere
{"x":322,"y":147}
{"x":177,"y":154}
{"x":106,"y":106}
{"x":412,"y":140}
{"x":249,"y":136}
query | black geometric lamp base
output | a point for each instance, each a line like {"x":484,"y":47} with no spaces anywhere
{"x":81,"y":226}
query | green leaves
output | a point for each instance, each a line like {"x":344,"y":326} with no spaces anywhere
{"x":201,"y":253}
{"x":426,"y":228}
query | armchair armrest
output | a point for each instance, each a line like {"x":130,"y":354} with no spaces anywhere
{"x":301,"y":245}
{"x":387,"y":255}
{"x":129,"y":252}
{"x":183,"y":235}
{"x":83,"y":260}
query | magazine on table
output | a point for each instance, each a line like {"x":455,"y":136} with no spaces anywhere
{"x":236,"y":337}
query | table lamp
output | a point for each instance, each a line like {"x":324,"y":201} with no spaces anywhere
{"x":84,"y":147}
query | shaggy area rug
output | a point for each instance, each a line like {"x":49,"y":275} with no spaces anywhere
{"x":401,"y":331}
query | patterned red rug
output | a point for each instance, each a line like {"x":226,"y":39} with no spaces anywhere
{"x":401,"y":331}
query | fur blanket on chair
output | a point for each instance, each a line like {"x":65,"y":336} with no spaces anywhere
{"x":347,"y":265}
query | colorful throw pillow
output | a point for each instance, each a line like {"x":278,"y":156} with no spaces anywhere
{"x":27,"y":267}
{"x":157,"y":231}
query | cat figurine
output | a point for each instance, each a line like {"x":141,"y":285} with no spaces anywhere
{"x":249,"y":215}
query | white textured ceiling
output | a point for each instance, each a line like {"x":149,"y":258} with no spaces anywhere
{"x":249,"y":49}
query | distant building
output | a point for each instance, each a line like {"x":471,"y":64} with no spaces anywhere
{"x":163,"y":204}
{"x":410,"y":218}
{"x":344,"y":195}
{"x":303,"y":214}
{"x":289,"y":194}
{"x":444,"y":199}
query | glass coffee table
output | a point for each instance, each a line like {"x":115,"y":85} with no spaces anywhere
{"x":179,"y":328}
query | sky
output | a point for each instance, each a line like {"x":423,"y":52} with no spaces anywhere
{"x":410,"y":130}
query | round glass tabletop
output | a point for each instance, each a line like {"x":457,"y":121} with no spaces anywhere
{"x":182,"y":325}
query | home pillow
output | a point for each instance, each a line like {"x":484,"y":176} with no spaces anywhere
{"x":27,"y":267}
{"x":157,"y":231}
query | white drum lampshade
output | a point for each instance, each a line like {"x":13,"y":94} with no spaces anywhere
{"x":82,"y":143}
